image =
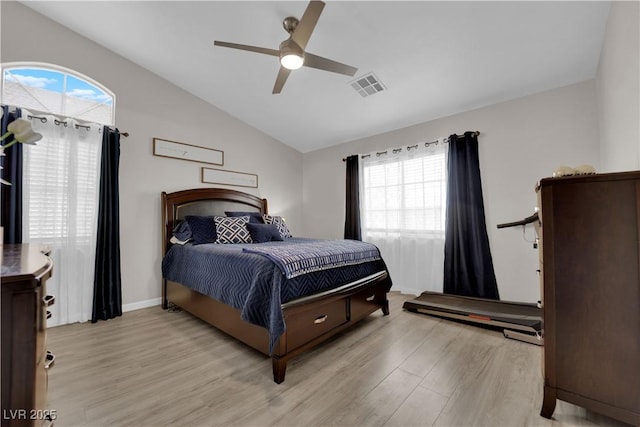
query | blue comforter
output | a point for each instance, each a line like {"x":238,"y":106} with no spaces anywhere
{"x":251,"y":282}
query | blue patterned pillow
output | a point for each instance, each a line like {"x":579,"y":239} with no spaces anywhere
{"x":254,"y":217}
{"x":278,"y":221}
{"x":232,"y":230}
{"x":264,"y":233}
{"x":203,"y":229}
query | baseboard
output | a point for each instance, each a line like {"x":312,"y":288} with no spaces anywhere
{"x":141,"y":304}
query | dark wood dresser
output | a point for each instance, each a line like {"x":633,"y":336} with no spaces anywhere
{"x":591,"y":293}
{"x":25,"y":270}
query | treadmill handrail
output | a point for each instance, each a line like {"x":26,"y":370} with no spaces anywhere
{"x":525,"y":221}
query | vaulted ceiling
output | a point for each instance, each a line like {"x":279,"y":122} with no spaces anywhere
{"x":433,"y":58}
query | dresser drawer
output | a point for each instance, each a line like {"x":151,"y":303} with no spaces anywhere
{"x":309,"y":324}
{"x":362,"y":304}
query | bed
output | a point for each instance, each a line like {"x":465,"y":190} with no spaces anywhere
{"x":334,"y":299}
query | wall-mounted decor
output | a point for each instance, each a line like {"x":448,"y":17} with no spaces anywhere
{"x":194,"y":153}
{"x":219,"y":176}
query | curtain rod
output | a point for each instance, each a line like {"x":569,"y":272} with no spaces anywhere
{"x":64,"y":123}
{"x":426,"y":144}
{"x":125,"y":134}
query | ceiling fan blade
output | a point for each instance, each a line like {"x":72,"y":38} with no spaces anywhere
{"x":283,"y":74}
{"x":256,"y":49}
{"x":315,"y":61}
{"x":302,"y":33}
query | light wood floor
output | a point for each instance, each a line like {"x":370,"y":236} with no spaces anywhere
{"x":154,"y":368}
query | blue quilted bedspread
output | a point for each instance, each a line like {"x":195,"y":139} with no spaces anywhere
{"x":251,"y":282}
{"x":297,"y":258}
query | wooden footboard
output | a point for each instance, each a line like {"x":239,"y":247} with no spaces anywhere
{"x":309,"y":320}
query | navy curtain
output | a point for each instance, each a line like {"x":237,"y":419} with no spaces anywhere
{"x":107,"y":290}
{"x":468,"y":266}
{"x":352,"y":214}
{"x":11,"y":219}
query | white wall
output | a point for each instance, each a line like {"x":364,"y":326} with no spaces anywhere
{"x":521,"y":141}
{"x":146,"y":107}
{"x":618,"y":89}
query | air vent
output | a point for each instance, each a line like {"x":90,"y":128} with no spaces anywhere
{"x":367,"y":85}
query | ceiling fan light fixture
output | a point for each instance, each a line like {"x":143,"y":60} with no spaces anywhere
{"x":291,"y":61}
{"x":291,"y":55}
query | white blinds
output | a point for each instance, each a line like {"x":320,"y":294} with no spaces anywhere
{"x":404,"y":191}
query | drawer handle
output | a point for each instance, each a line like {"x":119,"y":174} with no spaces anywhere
{"x":49,"y":314}
{"x":49,"y":300}
{"x":370,"y":298}
{"x":320,"y":319}
{"x":47,"y":271}
{"x":49,"y":359}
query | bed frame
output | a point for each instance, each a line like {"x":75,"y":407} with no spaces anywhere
{"x":309,"y":320}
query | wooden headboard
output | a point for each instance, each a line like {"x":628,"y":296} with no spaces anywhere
{"x":204,"y":201}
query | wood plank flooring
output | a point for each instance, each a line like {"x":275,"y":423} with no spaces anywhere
{"x":155,"y":368}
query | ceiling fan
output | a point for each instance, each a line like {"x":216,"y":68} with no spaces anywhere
{"x":291,"y":52}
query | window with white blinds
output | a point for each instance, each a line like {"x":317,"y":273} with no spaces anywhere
{"x":403,"y":196}
{"x":61,"y":174}
{"x":405,"y":192}
{"x":61,"y":179}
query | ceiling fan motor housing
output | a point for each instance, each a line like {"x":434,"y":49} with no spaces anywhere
{"x":290,"y":23}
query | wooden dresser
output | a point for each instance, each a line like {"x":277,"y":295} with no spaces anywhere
{"x":25,"y":270}
{"x":591,"y":293}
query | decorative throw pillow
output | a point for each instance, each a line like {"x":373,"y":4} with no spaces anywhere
{"x":232,"y":230}
{"x":254,"y":217}
{"x":203,"y":229}
{"x":264,"y":233}
{"x":278,"y":221}
{"x":181,"y":233}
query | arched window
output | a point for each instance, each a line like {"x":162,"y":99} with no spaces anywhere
{"x":52,"y":89}
{"x":61,"y":174}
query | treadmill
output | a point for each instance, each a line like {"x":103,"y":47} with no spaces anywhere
{"x":519,"y":321}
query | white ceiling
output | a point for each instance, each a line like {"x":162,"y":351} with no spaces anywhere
{"x":435,"y":58}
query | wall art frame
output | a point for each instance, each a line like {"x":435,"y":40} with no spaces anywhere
{"x":226,"y":177}
{"x":194,"y":153}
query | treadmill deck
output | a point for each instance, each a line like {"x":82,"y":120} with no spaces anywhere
{"x":505,"y":314}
